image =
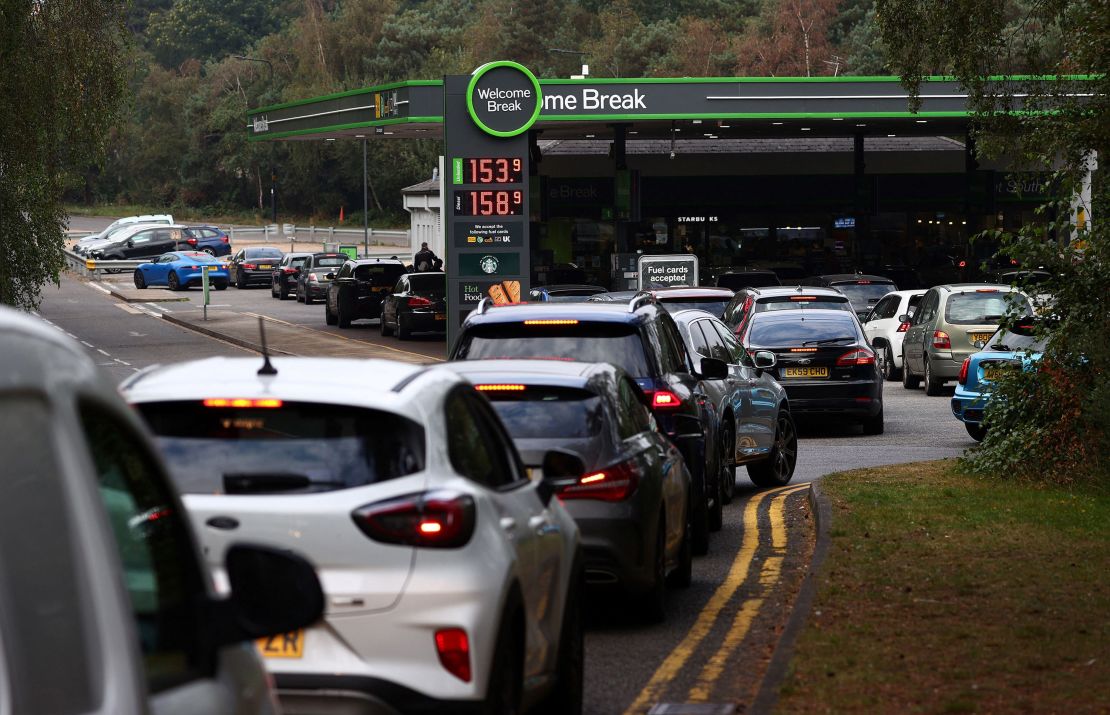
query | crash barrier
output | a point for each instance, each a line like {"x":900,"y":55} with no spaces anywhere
{"x":312,"y":235}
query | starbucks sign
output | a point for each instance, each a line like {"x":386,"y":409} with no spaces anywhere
{"x":503,"y":98}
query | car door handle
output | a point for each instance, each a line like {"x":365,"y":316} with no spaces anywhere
{"x":508,"y":523}
{"x":538,"y":523}
{"x":225,"y":523}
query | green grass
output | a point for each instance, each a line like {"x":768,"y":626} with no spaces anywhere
{"x":949,"y":593}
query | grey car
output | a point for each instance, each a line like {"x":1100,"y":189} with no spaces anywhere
{"x":951,"y":323}
{"x":631,"y":502}
{"x":105,"y":606}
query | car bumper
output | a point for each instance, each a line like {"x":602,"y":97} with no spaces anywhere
{"x":968,"y":406}
{"x":265,"y":276}
{"x":425,"y":321}
{"x":194,"y":278}
{"x":947,"y":364}
{"x":859,"y":399}
{"x":338,"y":694}
{"x":613,"y":538}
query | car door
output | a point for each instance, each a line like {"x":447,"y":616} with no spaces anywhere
{"x":138,"y":245}
{"x":756,"y":421}
{"x":913,"y":346}
{"x":878,"y":323}
{"x":391,"y":302}
{"x":159,"y":270}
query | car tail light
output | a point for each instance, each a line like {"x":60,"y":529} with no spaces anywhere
{"x":225,"y":239}
{"x":863,"y":283}
{"x":903,"y":327}
{"x":551,"y":322}
{"x":664,"y":400}
{"x":858,"y":356}
{"x":499,"y":388}
{"x":248,"y":266}
{"x":986,"y":290}
{"x":288,"y":271}
{"x":803,"y":350}
{"x":803,"y":298}
{"x":416,"y":301}
{"x":615,"y":483}
{"x":963,"y":264}
{"x":191,"y":241}
{"x":453,"y":648}
{"x":242,"y":402}
{"x":437,"y":520}
{"x":962,"y":377}
{"x":312,"y":278}
{"x":941,"y":341}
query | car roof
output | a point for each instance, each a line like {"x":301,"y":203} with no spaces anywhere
{"x":585,"y":311}
{"x":563,"y":373}
{"x":807,"y":314}
{"x":371,"y":261}
{"x":853,"y":278}
{"x":777,"y":291}
{"x":663,"y":294}
{"x":748,"y":271}
{"x":572,"y":286}
{"x":258,"y":248}
{"x":194,"y":254}
{"x":341,"y":381}
{"x":689,"y":314}
{"x":954,"y":287}
{"x":328,"y":254}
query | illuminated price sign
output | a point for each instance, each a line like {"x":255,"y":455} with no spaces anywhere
{"x":495,"y":170}
{"x":489,"y":203}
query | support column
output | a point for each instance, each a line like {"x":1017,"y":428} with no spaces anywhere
{"x":1081,"y":202}
{"x":863,"y":198}
{"x":365,"y":204}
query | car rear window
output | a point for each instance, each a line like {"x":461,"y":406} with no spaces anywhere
{"x":982,"y":308}
{"x":616,"y":343}
{"x":322,"y":261}
{"x":295,"y":447}
{"x":380,"y":275}
{"x":1005,"y":340}
{"x":549,"y":412}
{"x":862,"y":294}
{"x":262,"y":253}
{"x":794,"y":302}
{"x":778,"y":332}
{"x":429,"y":283}
{"x":716,"y":306}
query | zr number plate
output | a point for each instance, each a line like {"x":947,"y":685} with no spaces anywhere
{"x":283,"y":645}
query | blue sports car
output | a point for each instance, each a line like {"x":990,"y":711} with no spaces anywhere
{"x":179,"y":270}
{"x":1006,"y":349}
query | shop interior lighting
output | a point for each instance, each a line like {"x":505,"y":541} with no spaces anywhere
{"x":805,"y":129}
{"x":590,"y":136}
{"x":861,"y":125}
{"x":922,"y":121}
{"x":891,"y":135}
{"x":838,"y":119}
{"x":696,"y":121}
{"x":776,"y":124}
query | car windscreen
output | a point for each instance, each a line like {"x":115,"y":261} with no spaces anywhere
{"x":864,"y":294}
{"x":539,"y":412}
{"x":297,"y":261}
{"x":380,"y":275}
{"x":429,"y":284}
{"x":736,"y":281}
{"x":1012,"y":342}
{"x":262,"y":253}
{"x":329,"y":261}
{"x":983,"y":307}
{"x":775,"y":332}
{"x":290,"y":447}
{"x":617,"y":343}
{"x":716,"y":306}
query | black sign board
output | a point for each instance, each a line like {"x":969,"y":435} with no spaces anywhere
{"x":489,"y":234}
{"x":667,"y":271}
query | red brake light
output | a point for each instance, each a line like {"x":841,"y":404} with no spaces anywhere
{"x":863,"y":283}
{"x":858,"y":356}
{"x":962,"y":378}
{"x":288,"y":271}
{"x":248,"y":266}
{"x":551,"y":322}
{"x":615,"y":483}
{"x":312,"y":278}
{"x":665,"y":400}
{"x":941,"y":341}
{"x":191,"y":241}
{"x":803,"y":298}
{"x":903,"y":327}
{"x":986,"y":290}
{"x":1013,"y":261}
{"x":241,"y":402}
{"x":499,"y":388}
{"x":963,"y":264}
{"x":417,"y":301}
{"x":225,"y":239}
{"x":438,"y":520}
{"x":453,"y":648}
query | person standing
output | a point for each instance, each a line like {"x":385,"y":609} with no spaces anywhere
{"x":425,"y":259}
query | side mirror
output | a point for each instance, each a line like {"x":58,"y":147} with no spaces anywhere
{"x":713,"y":369}
{"x":904,"y":318}
{"x":561,"y":468}
{"x":272,"y":591}
{"x":765,"y":359}
{"x":130,"y":243}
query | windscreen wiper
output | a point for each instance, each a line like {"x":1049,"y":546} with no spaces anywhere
{"x":828,"y":341}
{"x":261,"y":482}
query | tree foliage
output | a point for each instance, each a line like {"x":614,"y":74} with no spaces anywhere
{"x":60,"y":88}
{"x":1051,"y":422}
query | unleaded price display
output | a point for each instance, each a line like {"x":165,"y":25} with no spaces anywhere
{"x":489,"y":203}
{"x":493,"y":170}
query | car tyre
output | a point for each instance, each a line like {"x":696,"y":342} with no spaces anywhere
{"x":403,"y":331}
{"x":933,"y":387}
{"x":716,"y":514}
{"x":341,"y":319}
{"x":728,"y":462}
{"x":503,"y":692}
{"x":567,"y":692}
{"x":776,"y":470}
{"x":976,"y":431}
{"x":140,"y":282}
{"x":274,"y":293}
{"x":209,"y":251}
{"x":909,"y":380}
{"x":173,"y":281}
{"x":874,"y":425}
{"x":383,"y":327}
{"x":329,"y":317}
{"x":890,"y":373}
{"x":240,"y":283}
{"x":308,"y":299}
{"x":221,"y":285}
{"x":683,"y":573}
{"x":653,"y":603}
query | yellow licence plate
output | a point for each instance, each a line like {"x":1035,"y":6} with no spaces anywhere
{"x":980,"y":338}
{"x":991,"y":374}
{"x":441,"y":316}
{"x":805,"y":372}
{"x":283,"y":645}
{"x":265,"y":267}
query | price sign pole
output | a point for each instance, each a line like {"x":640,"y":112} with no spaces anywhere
{"x":204,"y":287}
{"x":487,"y":115}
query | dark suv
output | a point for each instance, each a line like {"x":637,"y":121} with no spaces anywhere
{"x":641,"y":338}
{"x":358,"y":289}
{"x":749,"y":301}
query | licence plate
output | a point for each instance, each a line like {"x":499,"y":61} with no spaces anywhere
{"x":379,"y":289}
{"x":441,"y":316}
{"x":805,"y":372}
{"x":265,"y":267}
{"x":992,"y":374}
{"x":283,"y":645}
{"x":980,"y":339}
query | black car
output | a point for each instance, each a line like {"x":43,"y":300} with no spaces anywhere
{"x":641,"y":338}
{"x":631,"y":501}
{"x":283,"y":280}
{"x":864,"y":291}
{"x":149,"y":242}
{"x":358,"y":289}
{"x":735,"y":280}
{"x":754,"y":424}
{"x":315,"y":275}
{"x":824,"y":362}
{"x":254,"y":265}
{"x":418,"y":304}
{"x":749,"y":301}
{"x":708,"y":298}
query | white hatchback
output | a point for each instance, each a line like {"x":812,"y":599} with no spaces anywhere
{"x":452,"y":579}
{"x":885,"y":331}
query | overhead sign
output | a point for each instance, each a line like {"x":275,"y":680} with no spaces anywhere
{"x":503,"y":98}
{"x":668,"y":271}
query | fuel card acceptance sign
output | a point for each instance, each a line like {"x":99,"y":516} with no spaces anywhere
{"x":667,"y":271}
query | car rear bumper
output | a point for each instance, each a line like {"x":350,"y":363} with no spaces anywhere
{"x":194,"y":279}
{"x":613,"y":539}
{"x":857,"y":398}
{"x":339,"y":694}
{"x":425,"y":321}
{"x":968,"y":406}
{"x":265,"y":276}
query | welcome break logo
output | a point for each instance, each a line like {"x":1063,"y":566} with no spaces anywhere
{"x":503,"y":98}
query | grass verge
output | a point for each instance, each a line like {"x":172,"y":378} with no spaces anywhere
{"x":949,"y":593}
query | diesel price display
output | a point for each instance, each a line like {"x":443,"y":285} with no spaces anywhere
{"x":489,"y":203}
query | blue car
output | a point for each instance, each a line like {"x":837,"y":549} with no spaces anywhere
{"x":210,"y":239}
{"x":179,"y":270}
{"x":1006,"y":349}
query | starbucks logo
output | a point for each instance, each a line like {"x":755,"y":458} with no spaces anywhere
{"x":488,"y":264}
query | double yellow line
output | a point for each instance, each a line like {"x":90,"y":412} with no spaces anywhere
{"x":737,"y":575}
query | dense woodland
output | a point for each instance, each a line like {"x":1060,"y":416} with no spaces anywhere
{"x":182,"y":141}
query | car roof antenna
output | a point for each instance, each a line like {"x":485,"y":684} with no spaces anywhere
{"x":267,"y":367}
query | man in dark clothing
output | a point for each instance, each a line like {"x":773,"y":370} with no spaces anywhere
{"x":425,"y":259}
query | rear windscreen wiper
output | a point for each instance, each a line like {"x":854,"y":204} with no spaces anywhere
{"x":255,"y":482}
{"x":827,"y":341}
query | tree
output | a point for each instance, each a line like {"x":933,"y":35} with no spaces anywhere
{"x":206,"y":29}
{"x":1052,"y":422}
{"x":790,"y":37}
{"x":60,"y":92}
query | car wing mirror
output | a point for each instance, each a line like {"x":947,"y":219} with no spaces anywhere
{"x":272,"y":591}
{"x":561,"y":468}
{"x":130,"y":243}
{"x":905,"y":318}
{"x":713,"y":369}
{"x":765,"y":359}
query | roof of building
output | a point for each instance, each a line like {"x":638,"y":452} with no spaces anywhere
{"x":778,"y":145}
{"x":430,"y":186}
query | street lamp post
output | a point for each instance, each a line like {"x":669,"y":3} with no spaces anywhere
{"x":273,"y":171}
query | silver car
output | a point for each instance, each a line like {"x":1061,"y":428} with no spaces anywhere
{"x":105,"y":606}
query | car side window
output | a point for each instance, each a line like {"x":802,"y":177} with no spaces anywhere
{"x":737,"y":354}
{"x":633,"y":417}
{"x":698,"y":343}
{"x":161,"y":573}
{"x":717,"y":348}
{"x":471,"y":444}
{"x":923,"y":311}
{"x":344,"y":272}
{"x":674,"y":351}
{"x":402,"y":286}
{"x":142,"y":237}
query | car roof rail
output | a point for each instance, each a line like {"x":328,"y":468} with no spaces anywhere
{"x":638,"y":300}
{"x":483,"y":305}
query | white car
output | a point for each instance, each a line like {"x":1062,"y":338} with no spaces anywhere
{"x":451,"y":578}
{"x":115,"y":226}
{"x":885,"y":331}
